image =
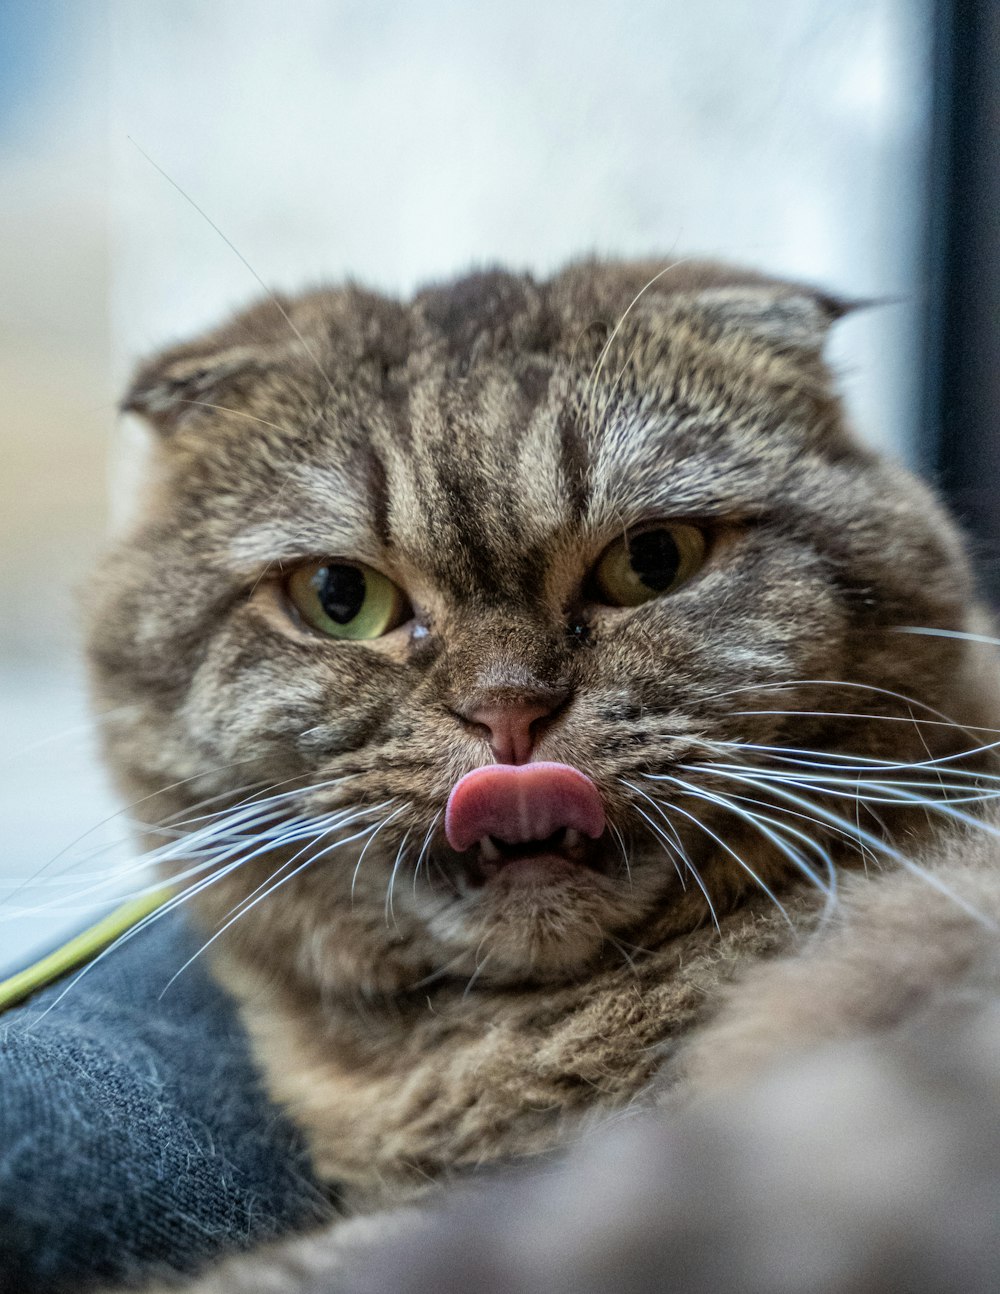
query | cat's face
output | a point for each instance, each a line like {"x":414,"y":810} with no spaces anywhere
{"x":388,"y":545}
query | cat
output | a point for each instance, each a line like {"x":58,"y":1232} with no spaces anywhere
{"x":529,"y":662}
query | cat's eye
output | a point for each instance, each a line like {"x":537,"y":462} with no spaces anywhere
{"x":647,"y":563}
{"x":346,"y":599}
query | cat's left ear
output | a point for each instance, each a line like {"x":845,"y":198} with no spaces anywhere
{"x":784,"y":318}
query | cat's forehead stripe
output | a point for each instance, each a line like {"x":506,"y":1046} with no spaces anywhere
{"x":480,"y":511}
{"x":485,"y":481}
{"x":484,"y":422}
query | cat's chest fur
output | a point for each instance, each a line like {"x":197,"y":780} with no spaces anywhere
{"x":393,"y":1097}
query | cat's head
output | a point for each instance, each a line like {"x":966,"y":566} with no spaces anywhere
{"x":613,"y":522}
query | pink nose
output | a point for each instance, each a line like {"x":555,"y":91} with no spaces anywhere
{"x":509,"y":726}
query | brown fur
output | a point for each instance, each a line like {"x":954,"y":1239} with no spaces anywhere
{"x":833,"y":1127}
{"x":482,"y":445}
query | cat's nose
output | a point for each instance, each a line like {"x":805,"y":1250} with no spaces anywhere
{"x":512,"y":723}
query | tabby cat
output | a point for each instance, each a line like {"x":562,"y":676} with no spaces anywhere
{"x":526,"y":663}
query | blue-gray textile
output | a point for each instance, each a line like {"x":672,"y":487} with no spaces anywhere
{"x":135,"y":1137}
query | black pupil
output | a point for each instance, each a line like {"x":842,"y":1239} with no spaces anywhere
{"x":655,"y":558}
{"x":341,"y":591}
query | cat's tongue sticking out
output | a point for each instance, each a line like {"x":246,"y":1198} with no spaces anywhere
{"x":525,"y":814}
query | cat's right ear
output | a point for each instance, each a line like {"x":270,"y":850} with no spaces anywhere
{"x":181,"y":386}
{"x":783,"y":317}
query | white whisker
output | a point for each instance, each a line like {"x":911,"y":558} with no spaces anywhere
{"x":400,"y":853}
{"x":948,"y":633}
{"x":245,"y":907}
{"x":425,"y":846}
{"x":877,"y":845}
{"x":669,"y":847}
{"x":741,"y":862}
{"x":774,"y":833}
{"x":846,"y":762}
{"x":624,"y":852}
{"x":314,"y":830}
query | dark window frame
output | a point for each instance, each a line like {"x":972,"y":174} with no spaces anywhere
{"x":960,"y":432}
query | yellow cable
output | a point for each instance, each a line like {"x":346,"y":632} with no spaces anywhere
{"x":79,"y":950}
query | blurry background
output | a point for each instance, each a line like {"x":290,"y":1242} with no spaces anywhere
{"x":398,"y":142}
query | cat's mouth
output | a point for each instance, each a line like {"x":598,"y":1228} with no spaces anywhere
{"x":563,"y":851}
{"x":530,"y":822}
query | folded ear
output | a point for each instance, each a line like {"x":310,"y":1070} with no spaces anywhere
{"x":784,"y":317}
{"x":183,"y":384}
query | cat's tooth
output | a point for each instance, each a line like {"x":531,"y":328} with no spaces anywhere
{"x":489,"y":850}
{"x":572,"y":839}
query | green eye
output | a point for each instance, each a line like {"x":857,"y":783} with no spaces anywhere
{"x":346,"y":599}
{"x":648,"y":563}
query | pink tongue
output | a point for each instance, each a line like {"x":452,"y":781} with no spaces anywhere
{"x":521,"y":802}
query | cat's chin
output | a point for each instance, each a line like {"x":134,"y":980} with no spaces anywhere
{"x":539,"y":917}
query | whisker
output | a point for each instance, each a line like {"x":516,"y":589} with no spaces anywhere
{"x":237,"y":413}
{"x":595,"y":375}
{"x":246,"y":907}
{"x":908,"y":701}
{"x":865,"y":763}
{"x":624,"y":852}
{"x":878,"y":845}
{"x":250,"y":815}
{"x":883,"y":791}
{"x":773,"y":833}
{"x":235,"y":250}
{"x":846,"y":836}
{"x":741,"y":862}
{"x":170,"y":905}
{"x":442,"y":971}
{"x":425,"y":846}
{"x":184,"y":781}
{"x":184,"y":847}
{"x":669,"y":847}
{"x":947,"y":633}
{"x":400,"y":853}
{"x":315,"y":830}
{"x":621,"y":950}
{"x":218,"y":864}
{"x":480,"y":966}
{"x":87,"y":728}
